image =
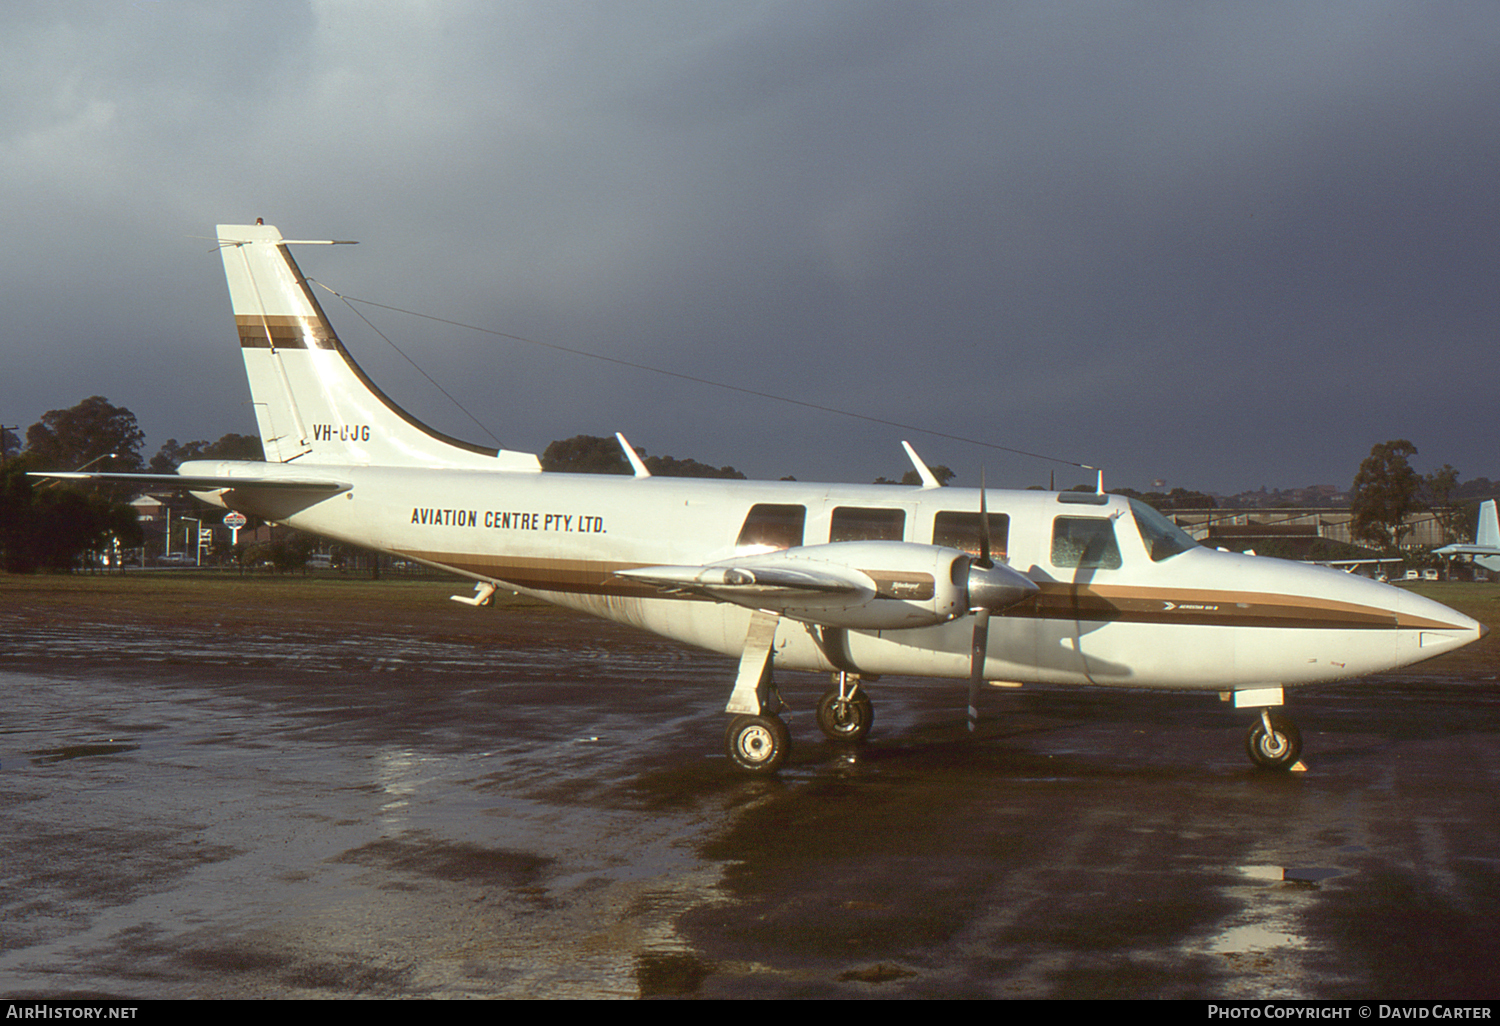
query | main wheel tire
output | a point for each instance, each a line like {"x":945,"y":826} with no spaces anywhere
{"x":846,"y":719}
{"x":1278,"y":750}
{"x":757,"y":744}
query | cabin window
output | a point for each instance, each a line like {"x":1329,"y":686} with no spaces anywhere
{"x":1087,"y":543}
{"x":862,"y":523}
{"x":959,"y":529}
{"x":1163,"y":538}
{"x":770,"y":527}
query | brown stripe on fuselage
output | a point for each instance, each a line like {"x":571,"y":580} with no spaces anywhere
{"x":1055,"y":600}
{"x":1060,"y":600}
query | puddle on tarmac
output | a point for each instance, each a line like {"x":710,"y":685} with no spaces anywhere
{"x":81,"y":751}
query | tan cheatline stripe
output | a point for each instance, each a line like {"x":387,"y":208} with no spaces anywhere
{"x":287,"y":332}
{"x":1058,"y":600}
{"x":1055,"y":600}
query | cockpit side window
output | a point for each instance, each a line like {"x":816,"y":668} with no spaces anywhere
{"x":959,"y":529}
{"x":1163,"y":538}
{"x":867,"y":523}
{"x":1087,"y":543}
{"x":770,"y":527}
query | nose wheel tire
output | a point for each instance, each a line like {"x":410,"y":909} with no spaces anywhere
{"x":845,"y":719}
{"x":757,"y":744}
{"x":1279,"y":748}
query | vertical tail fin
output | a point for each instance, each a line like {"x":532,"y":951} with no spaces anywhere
{"x":312,"y":401}
{"x":1489,"y":526}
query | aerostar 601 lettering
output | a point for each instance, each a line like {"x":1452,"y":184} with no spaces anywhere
{"x":853,"y":581}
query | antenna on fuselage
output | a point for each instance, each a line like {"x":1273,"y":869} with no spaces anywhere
{"x":929,"y":479}
{"x":634,"y":457}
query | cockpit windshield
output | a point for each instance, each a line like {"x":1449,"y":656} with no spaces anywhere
{"x":1163,"y":538}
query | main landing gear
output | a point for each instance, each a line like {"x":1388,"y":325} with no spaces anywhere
{"x":1274,"y":742}
{"x":759,"y":742}
{"x":757,"y":739}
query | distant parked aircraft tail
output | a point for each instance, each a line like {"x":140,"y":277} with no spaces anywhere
{"x":1489,"y":526}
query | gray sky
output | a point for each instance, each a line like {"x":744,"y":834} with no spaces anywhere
{"x":1221,"y":244}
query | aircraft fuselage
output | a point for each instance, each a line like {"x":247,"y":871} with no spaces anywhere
{"x":1193,"y":619}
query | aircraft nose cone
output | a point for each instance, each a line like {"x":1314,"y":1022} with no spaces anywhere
{"x":998,"y":587}
{"x":1437,"y":628}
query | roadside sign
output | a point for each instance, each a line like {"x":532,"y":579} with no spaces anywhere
{"x":234,"y":521}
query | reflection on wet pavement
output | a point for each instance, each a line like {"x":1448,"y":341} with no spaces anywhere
{"x":544,"y":810}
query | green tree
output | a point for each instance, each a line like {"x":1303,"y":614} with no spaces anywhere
{"x":44,"y":526}
{"x":230,"y":447}
{"x":585,"y":454}
{"x":671,"y":466}
{"x":69,"y":439}
{"x":1439,"y":487}
{"x":1385,"y":491}
{"x":594,"y":454}
{"x":943,"y":473}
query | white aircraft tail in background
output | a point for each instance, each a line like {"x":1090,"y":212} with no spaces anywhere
{"x":1486,"y":548}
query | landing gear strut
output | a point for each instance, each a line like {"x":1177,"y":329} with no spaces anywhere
{"x":1274,"y":742}
{"x":845,"y":713}
{"x":757,"y":740}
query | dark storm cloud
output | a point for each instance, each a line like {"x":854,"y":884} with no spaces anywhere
{"x":1223,"y":245}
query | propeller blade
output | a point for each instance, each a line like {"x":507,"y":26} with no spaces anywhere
{"x":991,"y":587}
{"x":976,"y":662}
{"x":984,"y":559}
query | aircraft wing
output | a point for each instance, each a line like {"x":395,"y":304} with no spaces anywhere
{"x":863,"y":585}
{"x":205,"y":483}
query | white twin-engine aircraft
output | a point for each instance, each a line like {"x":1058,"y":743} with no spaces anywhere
{"x":1010,"y":587}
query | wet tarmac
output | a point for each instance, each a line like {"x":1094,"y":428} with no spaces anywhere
{"x":540,"y":806}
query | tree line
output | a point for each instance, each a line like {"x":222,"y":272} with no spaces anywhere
{"x":48,"y":526}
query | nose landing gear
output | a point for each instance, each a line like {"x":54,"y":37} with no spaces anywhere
{"x":1274,"y":742}
{"x":846,"y":713}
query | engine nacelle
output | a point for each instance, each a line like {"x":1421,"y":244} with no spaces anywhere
{"x":862,"y":585}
